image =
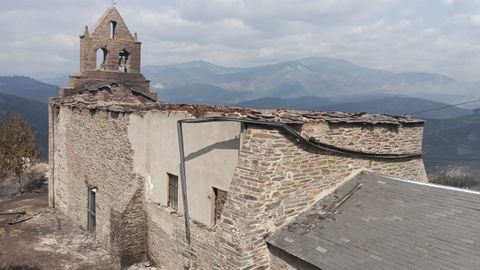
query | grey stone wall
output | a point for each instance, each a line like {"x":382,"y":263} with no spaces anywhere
{"x":91,"y":149}
{"x":100,"y":39}
{"x":167,"y":244}
{"x":369,"y":138}
{"x":277,"y":179}
{"x":281,"y":260}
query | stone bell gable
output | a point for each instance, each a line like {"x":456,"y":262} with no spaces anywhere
{"x":109,"y":53}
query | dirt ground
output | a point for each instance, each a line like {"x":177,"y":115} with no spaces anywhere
{"x":46,"y":241}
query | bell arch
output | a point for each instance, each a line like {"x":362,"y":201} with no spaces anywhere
{"x":101,"y":57}
{"x":123,"y":61}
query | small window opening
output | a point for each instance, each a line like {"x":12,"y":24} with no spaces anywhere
{"x":91,"y":214}
{"x":101,"y":57}
{"x":220,"y":198}
{"x":113,"y":28}
{"x":173,"y":191}
{"x":123,"y":61}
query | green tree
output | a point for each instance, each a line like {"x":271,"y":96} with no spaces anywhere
{"x":18,"y":148}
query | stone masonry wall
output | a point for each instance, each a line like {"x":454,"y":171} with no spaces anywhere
{"x":167,"y":244}
{"x":281,"y":260}
{"x":100,"y":38}
{"x":278,"y":178}
{"x":100,"y":44}
{"x":369,"y":138}
{"x":91,"y":149}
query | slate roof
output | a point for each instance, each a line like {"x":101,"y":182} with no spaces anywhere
{"x":387,"y":223}
{"x":116,"y":96}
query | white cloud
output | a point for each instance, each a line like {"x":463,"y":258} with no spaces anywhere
{"x":448,"y":2}
{"x":475,"y":19}
{"x":393,"y":34}
{"x":66,"y":41}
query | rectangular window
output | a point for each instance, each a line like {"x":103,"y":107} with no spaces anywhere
{"x":91,"y":215}
{"x":220,"y":198}
{"x":173,"y":191}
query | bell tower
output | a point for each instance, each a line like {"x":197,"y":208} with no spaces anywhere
{"x":109,"y":53}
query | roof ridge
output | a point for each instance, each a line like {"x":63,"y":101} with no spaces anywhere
{"x":423,"y":183}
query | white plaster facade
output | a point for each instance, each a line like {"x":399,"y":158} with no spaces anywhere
{"x":211,"y":154}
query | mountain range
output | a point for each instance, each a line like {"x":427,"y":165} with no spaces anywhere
{"x":35,"y":112}
{"x":312,"y":76}
{"x":28,"y":88}
{"x":312,"y":83}
{"x":388,"y":104}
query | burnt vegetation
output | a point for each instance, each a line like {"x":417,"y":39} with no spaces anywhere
{"x":18,"y":148}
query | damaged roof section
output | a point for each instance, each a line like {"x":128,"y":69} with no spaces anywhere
{"x":115,"y":96}
{"x":375,"y":222}
{"x":292,"y":116}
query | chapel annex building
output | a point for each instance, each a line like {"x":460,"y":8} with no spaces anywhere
{"x":215,"y":187}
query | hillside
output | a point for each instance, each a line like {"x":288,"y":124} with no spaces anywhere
{"x":200,"y":94}
{"x":312,"y":76}
{"x":299,"y":103}
{"x":35,"y":112}
{"x":396,"y":105}
{"x":28,"y":88}
{"x":399,"y":105}
{"x":453,"y":145}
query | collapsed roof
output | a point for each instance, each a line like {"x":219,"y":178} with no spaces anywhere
{"x":118,"y":97}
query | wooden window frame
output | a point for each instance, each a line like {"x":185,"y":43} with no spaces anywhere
{"x":172,"y":198}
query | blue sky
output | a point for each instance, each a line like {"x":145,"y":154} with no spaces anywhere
{"x":440,"y":36}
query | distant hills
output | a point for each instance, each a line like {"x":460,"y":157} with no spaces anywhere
{"x":35,"y":112}
{"x":452,"y":145}
{"x":27,"y":88}
{"x":314,"y":83}
{"x":298,"y":103}
{"x":312,"y":76}
{"x":396,"y":105}
{"x":399,"y":105}
{"x":203,"y":94}
{"x":28,"y":97}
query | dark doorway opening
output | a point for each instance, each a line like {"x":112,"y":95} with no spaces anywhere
{"x":113,"y":28}
{"x":91,"y":215}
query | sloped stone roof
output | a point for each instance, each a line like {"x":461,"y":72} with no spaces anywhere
{"x":115,"y":96}
{"x":292,"y":116}
{"x":376,"y":222}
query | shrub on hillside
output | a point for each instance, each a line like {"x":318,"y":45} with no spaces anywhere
{"x":18,"y":148}
{"x":461,"y":181}
{"x":34,"y":179}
